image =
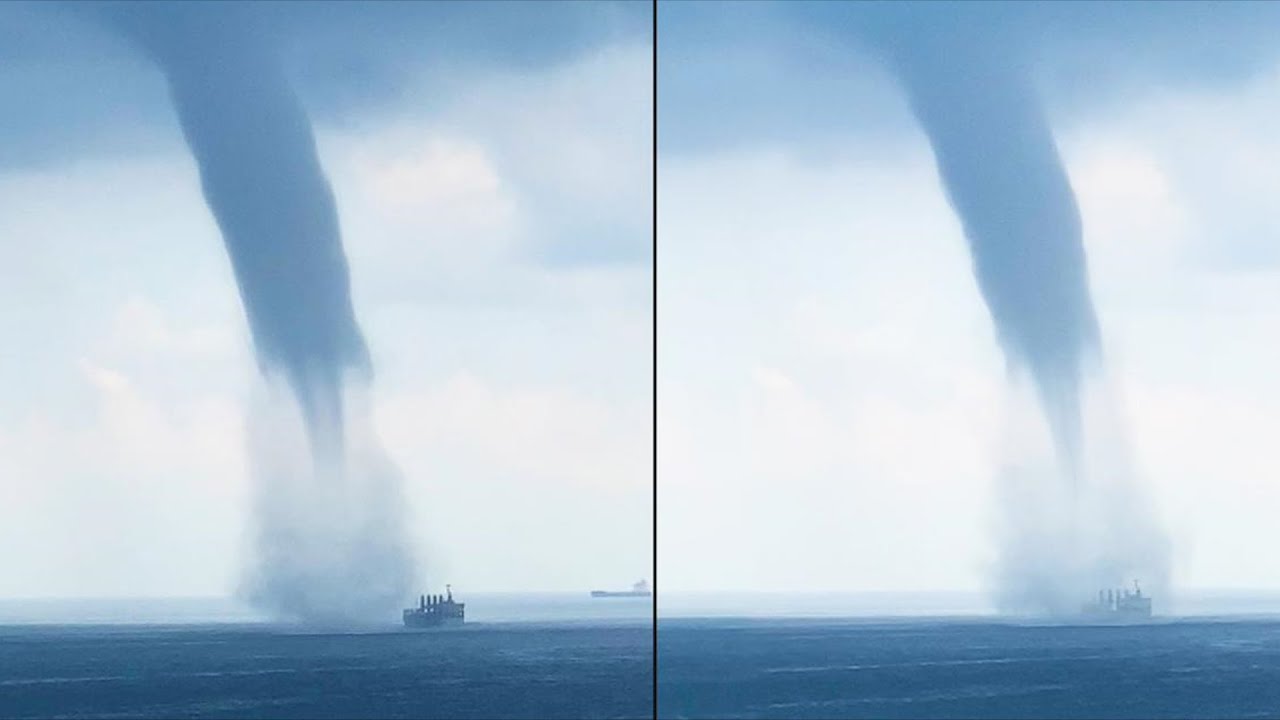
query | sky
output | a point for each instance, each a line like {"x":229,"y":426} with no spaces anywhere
{"x":833,"y":403}
{"x":494,"y":190}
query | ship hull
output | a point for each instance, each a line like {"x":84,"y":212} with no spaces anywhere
{"x":420,"y":621}
{"x":1109,"y":616}
{"x":620,"y":594}
{"x":1114,"y":619}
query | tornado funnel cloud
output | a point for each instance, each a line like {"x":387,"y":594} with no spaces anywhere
{"x":1077,"y":522}
{"x":329,"y":538}
{"x":1001,"y":171}
{"x":262,"y":179}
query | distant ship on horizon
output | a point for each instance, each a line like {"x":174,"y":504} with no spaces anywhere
{"x":436,"y":611}
{"x":640,"y":589}
{"x":1120,"y":605}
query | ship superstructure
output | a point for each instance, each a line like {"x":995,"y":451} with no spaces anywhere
{"x":436,"y":611}
{"x":1121,"y":604}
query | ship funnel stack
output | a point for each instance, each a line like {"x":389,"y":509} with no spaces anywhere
{"x":435,"y":611}
{"x":1120,"y":604}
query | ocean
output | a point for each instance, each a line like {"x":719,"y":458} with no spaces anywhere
{"x":544,"y":656}
{"x":559,"y":656}
{"x":976,"y":667}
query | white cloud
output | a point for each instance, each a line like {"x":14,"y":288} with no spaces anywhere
{"x":1130,"y":209}
{"x":1216,"y":152}
{"x":473,"y":200}
{"x":576,"y":144}
{"x":437,"y":174}
{"x":825,"y":372}
{"x":136,"y":494}
{"x":417,"y":195}
{"x":546,"y":434}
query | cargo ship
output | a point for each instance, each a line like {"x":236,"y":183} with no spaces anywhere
{"x":436,"y":611}
{"x":640,"y":589}
{"x":1120,"y":605}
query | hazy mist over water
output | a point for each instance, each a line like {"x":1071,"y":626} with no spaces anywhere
{"x":1065,"y":532}
{"x":329,"y":540}
{"x":908,"y":606}
{"x":510,"y":607}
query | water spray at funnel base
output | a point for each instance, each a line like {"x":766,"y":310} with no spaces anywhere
{"x":1050,"y":561}
{"x":329,"y":530}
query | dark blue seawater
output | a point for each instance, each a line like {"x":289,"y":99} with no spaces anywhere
{"x":954,"y":668}
{"x":497,"y":670}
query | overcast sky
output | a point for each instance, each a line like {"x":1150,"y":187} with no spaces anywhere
{"x":833,"y":399}
{"x":492,"y":169}
{"x":833,"y":403}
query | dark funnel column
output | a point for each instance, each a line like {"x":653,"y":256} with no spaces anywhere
{"x":262,"y":179}
{"x":1001,"y":170}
